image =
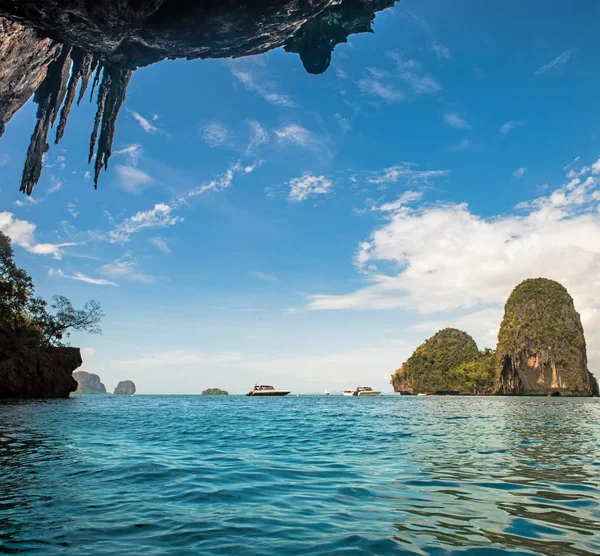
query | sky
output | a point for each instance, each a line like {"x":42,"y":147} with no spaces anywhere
{"x":258,"y":224}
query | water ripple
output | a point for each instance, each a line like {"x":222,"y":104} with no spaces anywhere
{"x":154,"y":475}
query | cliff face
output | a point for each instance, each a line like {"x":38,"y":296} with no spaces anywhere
{"x":125,"y":388}
{"x":40,"y":373}
{"x":432,"y":365}
{"x":114,"y":37}
{"x":88,"y":383}
{"x":541,"y":345}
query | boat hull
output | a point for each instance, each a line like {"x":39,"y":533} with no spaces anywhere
{"x":264,"y":393}
{"x":370,"y":394}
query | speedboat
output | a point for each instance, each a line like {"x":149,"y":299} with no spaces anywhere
{"x":264,"y":390}
{"x":326,"y":393}
{"x":362,"y":391}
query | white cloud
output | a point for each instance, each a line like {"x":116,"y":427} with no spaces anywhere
{"x":132,"y":179}
{"x":161,"y":216}
{"x":222,"y":182}
{"x":56,"y":185}
{"x":126,"y":268}
{"x":79,"y":276}
{"x":519,"y":173}
{"x":262,"y":86}
{"x":375,"y":87}
{"x":161,"y":245}
{"x":421,"y":84}
{"x":441,"y":51}
{"x":407,"y":174}
{"x":133,"y":152}
{"x":22,"y":233}
{"x":344,"y":123}
{"x":296,"y":135}
{"x":554,"y":64}
{"x":258,"y":136}
{"x":454,"y":120}
{"x":462,"y":145}
{"x":72,"y":208}
{"x":448,"y":258}
{"x":507,"y":127}
{"x":145,"y":124}
{"x":307,"y":186}
{"x":263,"y":276}
{"x":215,"y":134}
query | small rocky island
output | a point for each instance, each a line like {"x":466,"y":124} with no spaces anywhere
{"x":541,"y":352}
{"x":214,"y":392}
{"x":125,"y":388}
{"x":88,"y":383}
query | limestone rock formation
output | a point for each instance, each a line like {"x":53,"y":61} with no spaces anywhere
{"x":541,"y":345}
{"x":431,"y":366}
{"x":114,"y":37}
{"x":88,"y":383}
{"x":125,"y":388}
{"x":37,"y":373}
{"x":215,"y":392}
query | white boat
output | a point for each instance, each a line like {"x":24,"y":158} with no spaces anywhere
{"x":362,"y":391}
{"x":326,"y":393}
{"x":264,"y":390}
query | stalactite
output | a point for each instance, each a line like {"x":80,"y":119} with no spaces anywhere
{"x":102,"y":94}
{"x":86,"y":71}
{"x":49,"y":98}
{"x":115,"y":81}
{"x":81,"y":64}
{"x":96,"y":78}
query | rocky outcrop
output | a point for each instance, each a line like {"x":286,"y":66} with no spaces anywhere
{"x":434,"y":365}
{"x":38,"y":373}
{"x":88,"y":383}
{"x":215,"y":392}
{"x":125,"y":388}
{"x":115,"y":37}
{"x":541,"y":345}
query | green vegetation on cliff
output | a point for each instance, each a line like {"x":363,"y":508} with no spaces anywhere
{"x":449,"y":360}
{"x":541,"y":343}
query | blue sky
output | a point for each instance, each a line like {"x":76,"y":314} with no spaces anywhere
{"x":259,"y":224}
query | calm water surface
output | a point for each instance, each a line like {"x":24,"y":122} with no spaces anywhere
{"x":308,"y":475}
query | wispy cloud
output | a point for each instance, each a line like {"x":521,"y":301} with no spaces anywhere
{"x":519,"y":173}
{"x":407,"y":174}
{"x":258,"y":136}
{"x":254,"y":81}
{"x":125,"y":268}
{"x":133,"y":180}
{"x":441,"y":51}
{"x":375,"y":87}
{"x":22,"y":233}
{"x":161,"y":216}
{"x":133,"y":152}
{"x":295,"y":134}
{"x":263,"y":276}
{"x":554,"y":64}
{"x":462,"y":145}
{"x":160,"y":244}
{"x":80,"y":277}
{"x":222,"y":182}
{"x":145,"y":124}
{"x":308,"y":185}
{"x":215,"y":134}
{"x":454,"y":120}
{"x":507,"y":127}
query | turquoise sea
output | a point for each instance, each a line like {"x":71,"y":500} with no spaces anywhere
{"x":174,"y":475}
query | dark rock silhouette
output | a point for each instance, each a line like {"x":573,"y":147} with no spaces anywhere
{"x":74,"y":38}
{"x":215,"y":392}
{"x":125,"y":388}
{"x":541,"y":345}
{"x":37,"y":373}
{"x":88,"y":383}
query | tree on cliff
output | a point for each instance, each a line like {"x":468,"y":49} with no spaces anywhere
{"x":21,"y":309}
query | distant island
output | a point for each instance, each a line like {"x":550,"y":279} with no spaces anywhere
{"x":541,"y":352}
{"x":125,"y":388}
{"x":88,"y":383}
{"x":214,"y":392}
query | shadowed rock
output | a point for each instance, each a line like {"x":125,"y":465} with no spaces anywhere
{"x":125,"y":388}
{"x":88,"y":383}
{"x":118,"y":36}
